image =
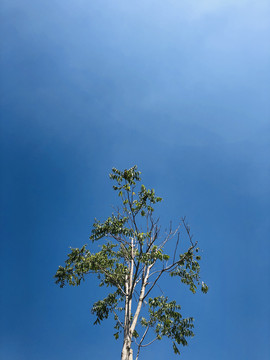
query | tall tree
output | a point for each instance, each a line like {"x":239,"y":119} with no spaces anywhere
{"x":131,"y":261}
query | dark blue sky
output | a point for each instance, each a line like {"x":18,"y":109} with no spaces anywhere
{"x":180,"y":88}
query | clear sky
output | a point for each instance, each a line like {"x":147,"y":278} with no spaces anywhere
{"x":180,"y":88}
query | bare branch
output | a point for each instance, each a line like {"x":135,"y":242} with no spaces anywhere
{"x":187,"y":227}
{"x":151,"y":342}
{"x":154,"y":283}
{"x":178,"y":236}
{"x":170,"y":235}
{"x":140,"y":344}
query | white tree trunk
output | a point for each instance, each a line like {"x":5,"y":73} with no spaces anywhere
{"x":139,"y":306}
{"x":127,"y":352}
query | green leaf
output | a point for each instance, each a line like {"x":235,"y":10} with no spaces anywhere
{"x":175,"y":349}
{"x":204,"y":288}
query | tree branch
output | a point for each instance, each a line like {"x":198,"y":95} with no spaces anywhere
{"x":168,"y":268}
{"x":115,"y":282}
{"x":119,"y":322}
{"x":140,"y":343}
{"x":151,"y":342}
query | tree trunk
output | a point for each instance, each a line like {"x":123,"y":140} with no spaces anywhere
{"x":127,"y":352}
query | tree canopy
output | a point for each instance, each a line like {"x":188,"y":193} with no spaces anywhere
{"x":131,"y":261}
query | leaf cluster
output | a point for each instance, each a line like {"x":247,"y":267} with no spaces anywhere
{"x":126,"y":181}
{"x":102,"y":308}
{"x":188,"y":269}
{"x":166,"y":320}
{"x":104,"y":263}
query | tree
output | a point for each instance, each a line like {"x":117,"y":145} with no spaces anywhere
{"x":131,"y":261}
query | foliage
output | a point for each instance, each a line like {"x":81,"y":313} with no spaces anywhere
{"x":132,"y":260}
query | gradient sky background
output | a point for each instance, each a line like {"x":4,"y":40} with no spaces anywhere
{"x":180,"y":88}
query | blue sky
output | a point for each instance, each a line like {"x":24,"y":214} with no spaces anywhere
{"x":180,"y":88}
